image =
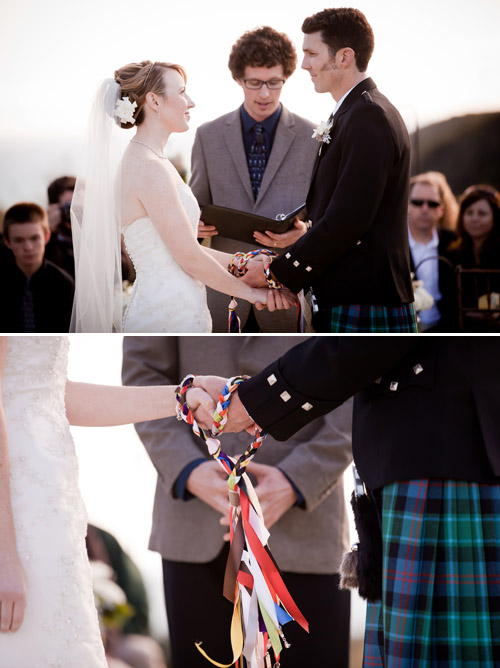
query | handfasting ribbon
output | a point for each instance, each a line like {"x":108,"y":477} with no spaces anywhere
{"x":237,"y":267}
{"x":261,"y":601}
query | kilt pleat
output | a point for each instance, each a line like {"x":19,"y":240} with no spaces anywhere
{"x":441,"y":577}
{"x":361,"y":318}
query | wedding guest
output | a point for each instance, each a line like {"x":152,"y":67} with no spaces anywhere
{"x":426,"y":440}
{"x":260,"y":62}
{"x":432,"y":210}
{"x":478,"y":247}
{"x":355,"y":258}
{"x":59,"y":249}
{"x":300,"y":489}
{"x":133,"y":644}
{"x":40,"y":295}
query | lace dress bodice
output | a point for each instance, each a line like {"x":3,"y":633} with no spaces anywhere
{"x":60,"y":627}
{"x":164,"y":298}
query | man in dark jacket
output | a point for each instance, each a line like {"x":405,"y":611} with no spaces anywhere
{"x":426,"y":439}
{"x":432,"y":215}
{"x":355,"y":258}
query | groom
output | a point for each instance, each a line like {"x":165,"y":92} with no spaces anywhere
{"x":355,"y":257}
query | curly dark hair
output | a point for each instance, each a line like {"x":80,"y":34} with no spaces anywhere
{"x":344,"y":27}
{"x":262,"y":47}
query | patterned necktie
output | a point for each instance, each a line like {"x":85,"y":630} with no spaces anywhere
{"x":27,"y":309}
{"x":257,"y":159}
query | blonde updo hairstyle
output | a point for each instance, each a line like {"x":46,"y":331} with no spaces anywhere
{"x":136,"y":80}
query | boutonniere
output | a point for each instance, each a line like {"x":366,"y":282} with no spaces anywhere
{"x":322,"y":133}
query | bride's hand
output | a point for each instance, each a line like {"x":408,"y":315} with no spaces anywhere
{"x":202,"y":403}
{"x":12,"y":592}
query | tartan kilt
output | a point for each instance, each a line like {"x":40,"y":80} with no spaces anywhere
{"x":364,"y":318}
{"x":440,"y":605}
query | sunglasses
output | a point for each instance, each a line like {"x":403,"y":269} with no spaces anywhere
{"x":430,"y":203}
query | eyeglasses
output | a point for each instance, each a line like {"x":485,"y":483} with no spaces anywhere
{"x":432,"y":204}
{"x":256,"y":84}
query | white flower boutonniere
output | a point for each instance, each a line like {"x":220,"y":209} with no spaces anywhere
{"x":125,"y":110}
{"x":322,"y":132}
{"x":423,"y":299}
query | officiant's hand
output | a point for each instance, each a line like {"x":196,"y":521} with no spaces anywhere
{"x":274,"y":240}
{"x":237,"y":417}
{"x":206,"y":231}
{"x":208,"y":482}
{"x":276,"y":494}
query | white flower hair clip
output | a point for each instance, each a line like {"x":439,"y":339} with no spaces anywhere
{"x":125,"y":110}
{"x":322,"y":132}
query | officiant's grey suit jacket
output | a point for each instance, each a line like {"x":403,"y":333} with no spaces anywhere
{"x":304,"y":540}
{"x":220,"y":171}
{"x":220,"y":176}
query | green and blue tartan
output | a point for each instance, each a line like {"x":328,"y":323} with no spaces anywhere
{"x":361,"y":318}
{"x":440,"y":605}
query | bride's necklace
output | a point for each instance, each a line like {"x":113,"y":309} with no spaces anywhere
{"x":158,"y":155}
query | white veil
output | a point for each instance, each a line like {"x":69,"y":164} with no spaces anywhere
{"x":95,"y":221}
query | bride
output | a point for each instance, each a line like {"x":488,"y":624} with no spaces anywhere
{"x":153,"y":208}
{"x":47,"y":612}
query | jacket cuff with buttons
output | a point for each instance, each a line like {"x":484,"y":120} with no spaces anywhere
{"x":276,"y":407}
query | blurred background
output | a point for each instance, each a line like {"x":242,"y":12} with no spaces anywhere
{"x":435,"y":60}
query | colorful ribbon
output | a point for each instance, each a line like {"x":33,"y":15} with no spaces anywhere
{"x":252,"y":581}
{"x":237,"y":267}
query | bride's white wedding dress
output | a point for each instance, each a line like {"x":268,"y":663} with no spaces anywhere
{"x":60,"y":627}
{"x":164,"y":298}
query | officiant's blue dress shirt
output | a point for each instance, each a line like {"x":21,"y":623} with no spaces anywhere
{"x":269,"y":126}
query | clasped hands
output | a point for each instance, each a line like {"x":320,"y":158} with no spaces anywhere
{"x":202,"y":400}
{"x":255,"y":277}
{"x":209,"y":482}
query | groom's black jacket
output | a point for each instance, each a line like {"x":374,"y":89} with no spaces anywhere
{"x":357,"y":249}
{"x":424,"y":407}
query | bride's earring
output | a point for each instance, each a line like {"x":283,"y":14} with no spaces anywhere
{"x":158,"y":113}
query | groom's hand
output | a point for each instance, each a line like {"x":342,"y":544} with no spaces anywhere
{"x":278,"y":300}
{"x":274,"y":240}
{"x":237,"y":417}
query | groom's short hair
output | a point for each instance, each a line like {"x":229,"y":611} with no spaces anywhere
{"x":343,"y":27}
{"x":262,"y":47}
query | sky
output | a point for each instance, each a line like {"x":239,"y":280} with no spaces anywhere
{"x":438,"y":57}
{"x":434,"y":59}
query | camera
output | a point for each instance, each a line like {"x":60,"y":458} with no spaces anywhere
{"x":65,"y":214}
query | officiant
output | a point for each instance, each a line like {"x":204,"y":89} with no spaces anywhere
{"x":258,"y":159}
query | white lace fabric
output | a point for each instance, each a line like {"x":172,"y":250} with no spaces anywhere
{"x":60,"y":628}
{"x":164,"y":299}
